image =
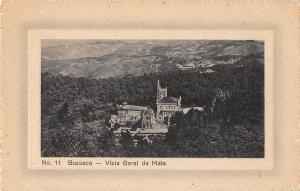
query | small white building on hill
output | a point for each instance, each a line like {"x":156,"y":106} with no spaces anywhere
{"x":186,"y":66}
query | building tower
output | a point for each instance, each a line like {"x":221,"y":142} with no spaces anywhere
{"x":161,"y":92}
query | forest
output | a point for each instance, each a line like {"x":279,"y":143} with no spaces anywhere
{"x":75,"y":113}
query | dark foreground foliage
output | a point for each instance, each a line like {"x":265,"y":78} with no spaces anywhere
{"x":75,"y":113}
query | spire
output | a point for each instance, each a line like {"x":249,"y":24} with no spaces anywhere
{"x":158,"y":84}
{"x":179,"y":102}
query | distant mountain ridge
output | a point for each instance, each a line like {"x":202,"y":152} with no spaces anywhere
{"x":103,"y":59}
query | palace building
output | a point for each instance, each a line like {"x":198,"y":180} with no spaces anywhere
{"x":144,"y":122}
{"x":132,"y":114}
{"x":166,"y":106}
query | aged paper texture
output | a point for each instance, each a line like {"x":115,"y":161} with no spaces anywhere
{"x":38,"y":146}
{"x":113,"y":95}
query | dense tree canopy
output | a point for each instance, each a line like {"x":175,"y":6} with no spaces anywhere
{"x":230,"y":126}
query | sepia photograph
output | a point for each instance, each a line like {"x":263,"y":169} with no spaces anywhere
{"x":150,"y":95}
{"x":152,"y":98}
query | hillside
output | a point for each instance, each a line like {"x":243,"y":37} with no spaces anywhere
{"x":103,"y":59}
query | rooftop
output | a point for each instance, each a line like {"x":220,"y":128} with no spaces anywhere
{"x":133,"y":107}
{"x":168,"y":110}
{"x":169,"y":99}
{"x":188,"y":64}
{"x":187,"y":109}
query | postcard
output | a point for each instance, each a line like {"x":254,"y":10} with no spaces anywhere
{"x":149,"y":95}
{"x":150,"y":99}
